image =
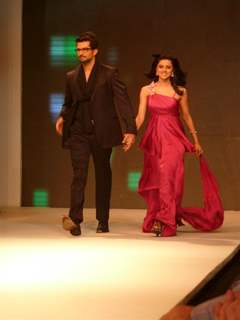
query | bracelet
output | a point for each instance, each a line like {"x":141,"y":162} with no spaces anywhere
{"x":193,"y":132}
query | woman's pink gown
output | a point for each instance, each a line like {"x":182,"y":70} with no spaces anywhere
{"x":161,"y":185}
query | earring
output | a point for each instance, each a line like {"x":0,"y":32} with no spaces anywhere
{"x":172,"y":75}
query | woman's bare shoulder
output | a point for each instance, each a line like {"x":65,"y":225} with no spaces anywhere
{"x":183,"y":90}
{"x":147,"y":90}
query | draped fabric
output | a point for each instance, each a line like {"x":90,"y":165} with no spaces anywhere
{"x":82,"y":122}
{"x":161,"y":184}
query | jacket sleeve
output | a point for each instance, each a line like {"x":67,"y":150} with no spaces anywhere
{"x":123,"y":103}
{"x":68,"y":100}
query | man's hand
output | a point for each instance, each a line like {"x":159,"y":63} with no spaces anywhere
{"x":59,"y":125}
{"x":128,"y":141}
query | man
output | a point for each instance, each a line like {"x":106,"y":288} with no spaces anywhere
{"x":89,"y":125}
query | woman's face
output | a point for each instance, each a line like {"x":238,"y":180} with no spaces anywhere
{"x":164,"y":69}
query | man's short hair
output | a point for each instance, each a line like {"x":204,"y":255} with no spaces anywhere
{"x":88,"y":36}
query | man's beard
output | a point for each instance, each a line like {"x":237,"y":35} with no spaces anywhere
{"x":86,"y":61}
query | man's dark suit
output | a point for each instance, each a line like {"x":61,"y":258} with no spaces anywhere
{"x":109,"y":101}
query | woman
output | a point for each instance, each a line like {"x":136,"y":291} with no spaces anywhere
{"x":164,"y":144}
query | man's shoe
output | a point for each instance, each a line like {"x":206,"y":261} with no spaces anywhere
{"x":76,"y":231}
{"x":102,"y":227}
{"x":69,"y":225}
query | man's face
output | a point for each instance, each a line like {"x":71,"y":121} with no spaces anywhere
{"x":84,"y":52}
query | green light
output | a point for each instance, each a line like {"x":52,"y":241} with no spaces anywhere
{"x":133,"y":179}
{"x":62,"y":50}
{"x":40,"y":198}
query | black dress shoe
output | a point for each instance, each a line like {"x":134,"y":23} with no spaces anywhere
{"x":102,"y":227}
{"x":70,"y":225}
{"x":76,"y":231}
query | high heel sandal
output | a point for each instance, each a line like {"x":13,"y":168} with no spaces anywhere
{"x":168,"y":231}
{"x":179,"y":222}
{"x":156,"y":228}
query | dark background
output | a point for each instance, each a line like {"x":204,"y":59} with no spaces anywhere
{"x":204,"y":35}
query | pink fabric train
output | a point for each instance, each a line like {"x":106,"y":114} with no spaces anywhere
{"x":161,"y":185}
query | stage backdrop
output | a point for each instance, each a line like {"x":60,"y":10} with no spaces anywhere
{"x":204,"y":35}
{"x":10,"y":105}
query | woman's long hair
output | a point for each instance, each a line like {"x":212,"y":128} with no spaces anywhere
{"x":179,"y":77}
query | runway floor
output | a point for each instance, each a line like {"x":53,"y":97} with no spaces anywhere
{"x":45,"y":273}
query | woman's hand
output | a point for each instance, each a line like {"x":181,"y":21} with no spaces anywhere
{"x":198,"y":149}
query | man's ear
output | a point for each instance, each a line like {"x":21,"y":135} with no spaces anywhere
{"x":95,"y":52}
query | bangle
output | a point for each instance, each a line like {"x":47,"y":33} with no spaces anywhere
{"x":193,"y":132}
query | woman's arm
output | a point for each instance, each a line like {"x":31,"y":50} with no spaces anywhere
{"x":189,"y":121}
{"x":142,"y":107}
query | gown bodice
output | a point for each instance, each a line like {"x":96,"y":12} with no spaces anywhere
{"x":159,"y":104}
{"x":164,"y":125}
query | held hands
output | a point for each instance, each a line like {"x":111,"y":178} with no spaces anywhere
{"x":229,"y":308}
{"x":128,"y":141}
{"x":59,"y":125}
{"x":198,"y":149}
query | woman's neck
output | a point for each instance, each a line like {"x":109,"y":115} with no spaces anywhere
{"x":164,"y":83}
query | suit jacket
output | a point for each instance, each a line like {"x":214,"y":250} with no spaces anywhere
{"x":109,"y":102}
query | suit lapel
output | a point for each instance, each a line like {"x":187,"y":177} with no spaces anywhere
{"x":79,"y":81}
{"x":100,"y":79}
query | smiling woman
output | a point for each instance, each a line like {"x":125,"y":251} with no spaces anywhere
{"x":164,"y":144}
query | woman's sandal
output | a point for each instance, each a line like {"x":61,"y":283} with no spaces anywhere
{"x":156,"y":228}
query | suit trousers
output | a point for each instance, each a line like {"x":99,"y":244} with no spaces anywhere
{"x":81,"y":148}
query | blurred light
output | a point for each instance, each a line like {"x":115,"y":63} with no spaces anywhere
{"x":112,"y":56}
{"x":133,"y":179}
{"x":40,"y":198}
{"x":55,"y":104}
{"x":62,"y":50}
